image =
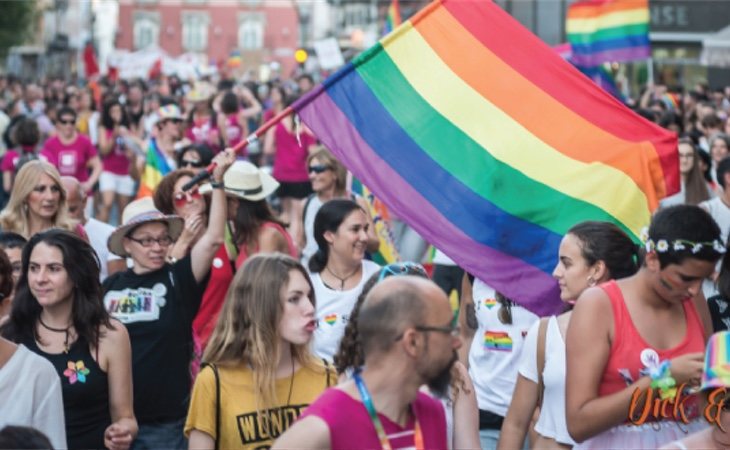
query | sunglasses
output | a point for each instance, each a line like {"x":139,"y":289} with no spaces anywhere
{"x":181,"y":198}
{"x":190,"y":163}
{"x":319,"y":168}
{"x":67,"y":122}
{"x":402,"y":268}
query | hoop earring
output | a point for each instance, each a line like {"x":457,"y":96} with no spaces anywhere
{"x":591,"y":281}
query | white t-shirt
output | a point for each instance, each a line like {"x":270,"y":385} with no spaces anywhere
{"x":98,"y":233}
{"x":310,"y":246}
{"x":495,"y":350}
{"x":333,"y":311}
{"x":31,"y":395}
{"x":552,"y":422}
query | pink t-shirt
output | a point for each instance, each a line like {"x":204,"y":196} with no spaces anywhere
{"x":290,"y":164}
{"x":10,"y":160}
{"x":70,"y":159}
{"x":350,"y":425}
{"x":202,"y":131}
{"x":116,"y":161}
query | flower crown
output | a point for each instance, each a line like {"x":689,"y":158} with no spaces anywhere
{"x":664,"y":246}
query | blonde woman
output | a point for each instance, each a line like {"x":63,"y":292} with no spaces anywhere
{"x":261,"y":374}
{"x":37,"y":202}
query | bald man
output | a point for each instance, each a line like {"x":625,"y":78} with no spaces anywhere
{"x":409,"y":340}
{"x":97,"y":231}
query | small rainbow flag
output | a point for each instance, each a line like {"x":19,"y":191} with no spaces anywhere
{"x":427,"y":119}
{"x":155,"y":169}
{"x":393,"y":18}
{"x":608,"y":30}
{"x":498,"y":341}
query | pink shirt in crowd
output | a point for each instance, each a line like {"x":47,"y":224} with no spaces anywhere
{"x":290,"y":164}
{"x":116,"y":161}
{"x":350,"y":425}
{"x":70,"y":159}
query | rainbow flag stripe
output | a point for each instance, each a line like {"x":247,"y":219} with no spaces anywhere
{"x":429,"y":120}
{"x":155,"y":169}
{"x":498,"y":341}
{"x":608,"y":30}
{"x":387,"y":253}
{"x":393,"y":19}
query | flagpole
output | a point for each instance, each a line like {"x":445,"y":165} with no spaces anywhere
{"x":253,"y":137}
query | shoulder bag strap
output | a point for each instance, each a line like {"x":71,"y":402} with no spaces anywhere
{"x":327,"y":371}
{"x":541,"y":338}
{"x":217,"y":406}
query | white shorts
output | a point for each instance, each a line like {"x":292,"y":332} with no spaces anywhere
{"x":121,"y":184}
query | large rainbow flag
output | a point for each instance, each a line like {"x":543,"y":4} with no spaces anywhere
{"x":608,"y":30}
{"x":155,"y":168}
{"x":487,"y":143}
{"x":387,"y":253}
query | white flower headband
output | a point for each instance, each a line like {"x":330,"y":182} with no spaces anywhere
{"x":663,"y":246}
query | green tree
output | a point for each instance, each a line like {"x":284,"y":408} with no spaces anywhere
{"x":16,"y":22}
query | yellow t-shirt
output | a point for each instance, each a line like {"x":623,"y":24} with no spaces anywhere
{"x":240,"y":427}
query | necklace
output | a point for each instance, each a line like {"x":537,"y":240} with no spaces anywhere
{"x":342,"y":280}
{"x":382,"y":436}
{"x":58,"y":330}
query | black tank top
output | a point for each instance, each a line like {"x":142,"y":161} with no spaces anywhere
{"x":85,"y":394}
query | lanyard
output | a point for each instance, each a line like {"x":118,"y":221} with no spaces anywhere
{"x":368,"y":402}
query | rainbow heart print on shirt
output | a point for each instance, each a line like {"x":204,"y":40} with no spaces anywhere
{"x":490,"y":303}
{"x":330,"y":319}
{"x":497,"y":341}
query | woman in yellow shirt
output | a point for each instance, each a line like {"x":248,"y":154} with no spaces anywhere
{"x":261,"y":374}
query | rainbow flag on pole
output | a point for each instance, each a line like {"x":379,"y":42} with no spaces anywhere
{"x":393,"y":18}
{"x":608,"y":30}
{"x":155,"y":168}
{"x":490,"y":145}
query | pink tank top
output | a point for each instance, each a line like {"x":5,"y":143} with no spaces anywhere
{"x":243,"y":254}
{"x":350,"y":425}
{"x":233,"y":131}
{"x":630,"y":354}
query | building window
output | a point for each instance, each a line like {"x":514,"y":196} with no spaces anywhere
{"x":250,"y":3}
{"x":251,"y":31}
{"x":195,"y":31}
{"x":146,"y":29}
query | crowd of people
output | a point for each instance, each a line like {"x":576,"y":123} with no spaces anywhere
{"x":248,"y":311}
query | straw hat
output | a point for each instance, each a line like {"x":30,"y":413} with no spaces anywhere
{"x":246,"y":181}
{"x":200,"y":92}
{"x":717,"y":362}
{"x":140,"y":212}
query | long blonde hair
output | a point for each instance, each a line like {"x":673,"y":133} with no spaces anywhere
{"x":15,"y":216}
{"x":247,"y":329}
{"x":327,"y":158}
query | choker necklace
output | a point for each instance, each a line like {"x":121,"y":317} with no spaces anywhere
{"x":58,"y":330}
{"x":342,"y":280}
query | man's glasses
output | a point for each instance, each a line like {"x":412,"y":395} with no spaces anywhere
{"x":147,"y":242}
{"x":452,"y":330}
{"x":191,"y":163}
{"x":319,"y":168}
{"x":402,"y":268}
{"x":181,"y":198}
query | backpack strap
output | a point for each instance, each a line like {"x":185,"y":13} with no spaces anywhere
{"x":541,"y":338}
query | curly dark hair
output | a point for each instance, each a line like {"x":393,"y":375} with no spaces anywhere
{"x":82,"y":267}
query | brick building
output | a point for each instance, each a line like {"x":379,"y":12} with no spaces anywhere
{"x":263,"y":31}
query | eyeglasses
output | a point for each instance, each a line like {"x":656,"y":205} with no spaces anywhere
{"x":67,"y":122}
{"x":189,"y":163}
{"x":147,"y":242}
{"x":452,"y":330}
{"x":319,"y":168}
{"x":403,"y":268}
{"x":180,"y":198}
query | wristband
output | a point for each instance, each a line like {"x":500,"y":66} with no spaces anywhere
{"x":661,"y":378}
{"x":217,"y":185}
